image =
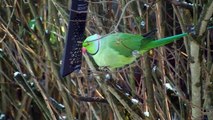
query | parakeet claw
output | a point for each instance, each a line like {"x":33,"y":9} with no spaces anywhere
{"x":104,"y":69}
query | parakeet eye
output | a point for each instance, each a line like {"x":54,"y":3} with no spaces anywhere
{"x":86,"y":44}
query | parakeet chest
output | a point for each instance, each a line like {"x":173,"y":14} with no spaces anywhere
{"x":109,"y":57}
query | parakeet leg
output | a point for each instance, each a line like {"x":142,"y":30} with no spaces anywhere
{"x":106,"y":69}
{"x":109,"y":72}
{"x":113,"y":72}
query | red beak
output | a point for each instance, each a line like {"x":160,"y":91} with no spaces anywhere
{"x":84,"y":50}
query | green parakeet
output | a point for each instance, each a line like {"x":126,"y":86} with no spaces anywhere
{"x":119,"y":49}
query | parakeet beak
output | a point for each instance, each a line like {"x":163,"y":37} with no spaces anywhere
{"x":84,"y":50}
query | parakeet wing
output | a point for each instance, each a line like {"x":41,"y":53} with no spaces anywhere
{"x":125,"y":43}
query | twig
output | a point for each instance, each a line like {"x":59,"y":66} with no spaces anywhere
{"x":88,"y":99}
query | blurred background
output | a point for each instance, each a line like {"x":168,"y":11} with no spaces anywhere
{"x":173,"y":82}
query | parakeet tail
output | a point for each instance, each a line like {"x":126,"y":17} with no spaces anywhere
{"x":164,"y":41}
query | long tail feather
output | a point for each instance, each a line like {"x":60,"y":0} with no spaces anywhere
{"x":164,"y":41}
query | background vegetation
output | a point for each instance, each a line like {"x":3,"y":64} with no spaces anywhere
{"x":32,"y":36}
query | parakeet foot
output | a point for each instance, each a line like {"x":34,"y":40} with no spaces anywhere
{"x":105,"y":69}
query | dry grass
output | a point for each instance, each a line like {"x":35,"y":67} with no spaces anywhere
{"x":31,"y":87}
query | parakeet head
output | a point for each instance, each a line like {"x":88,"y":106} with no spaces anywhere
{"x":91,"y":44}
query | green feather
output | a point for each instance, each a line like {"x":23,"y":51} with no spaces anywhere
{"x":162,"y":41}
{"x":124,"y":43}
{"x":116,"y":50}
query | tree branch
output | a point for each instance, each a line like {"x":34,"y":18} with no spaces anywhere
{"x":206,"y":14}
